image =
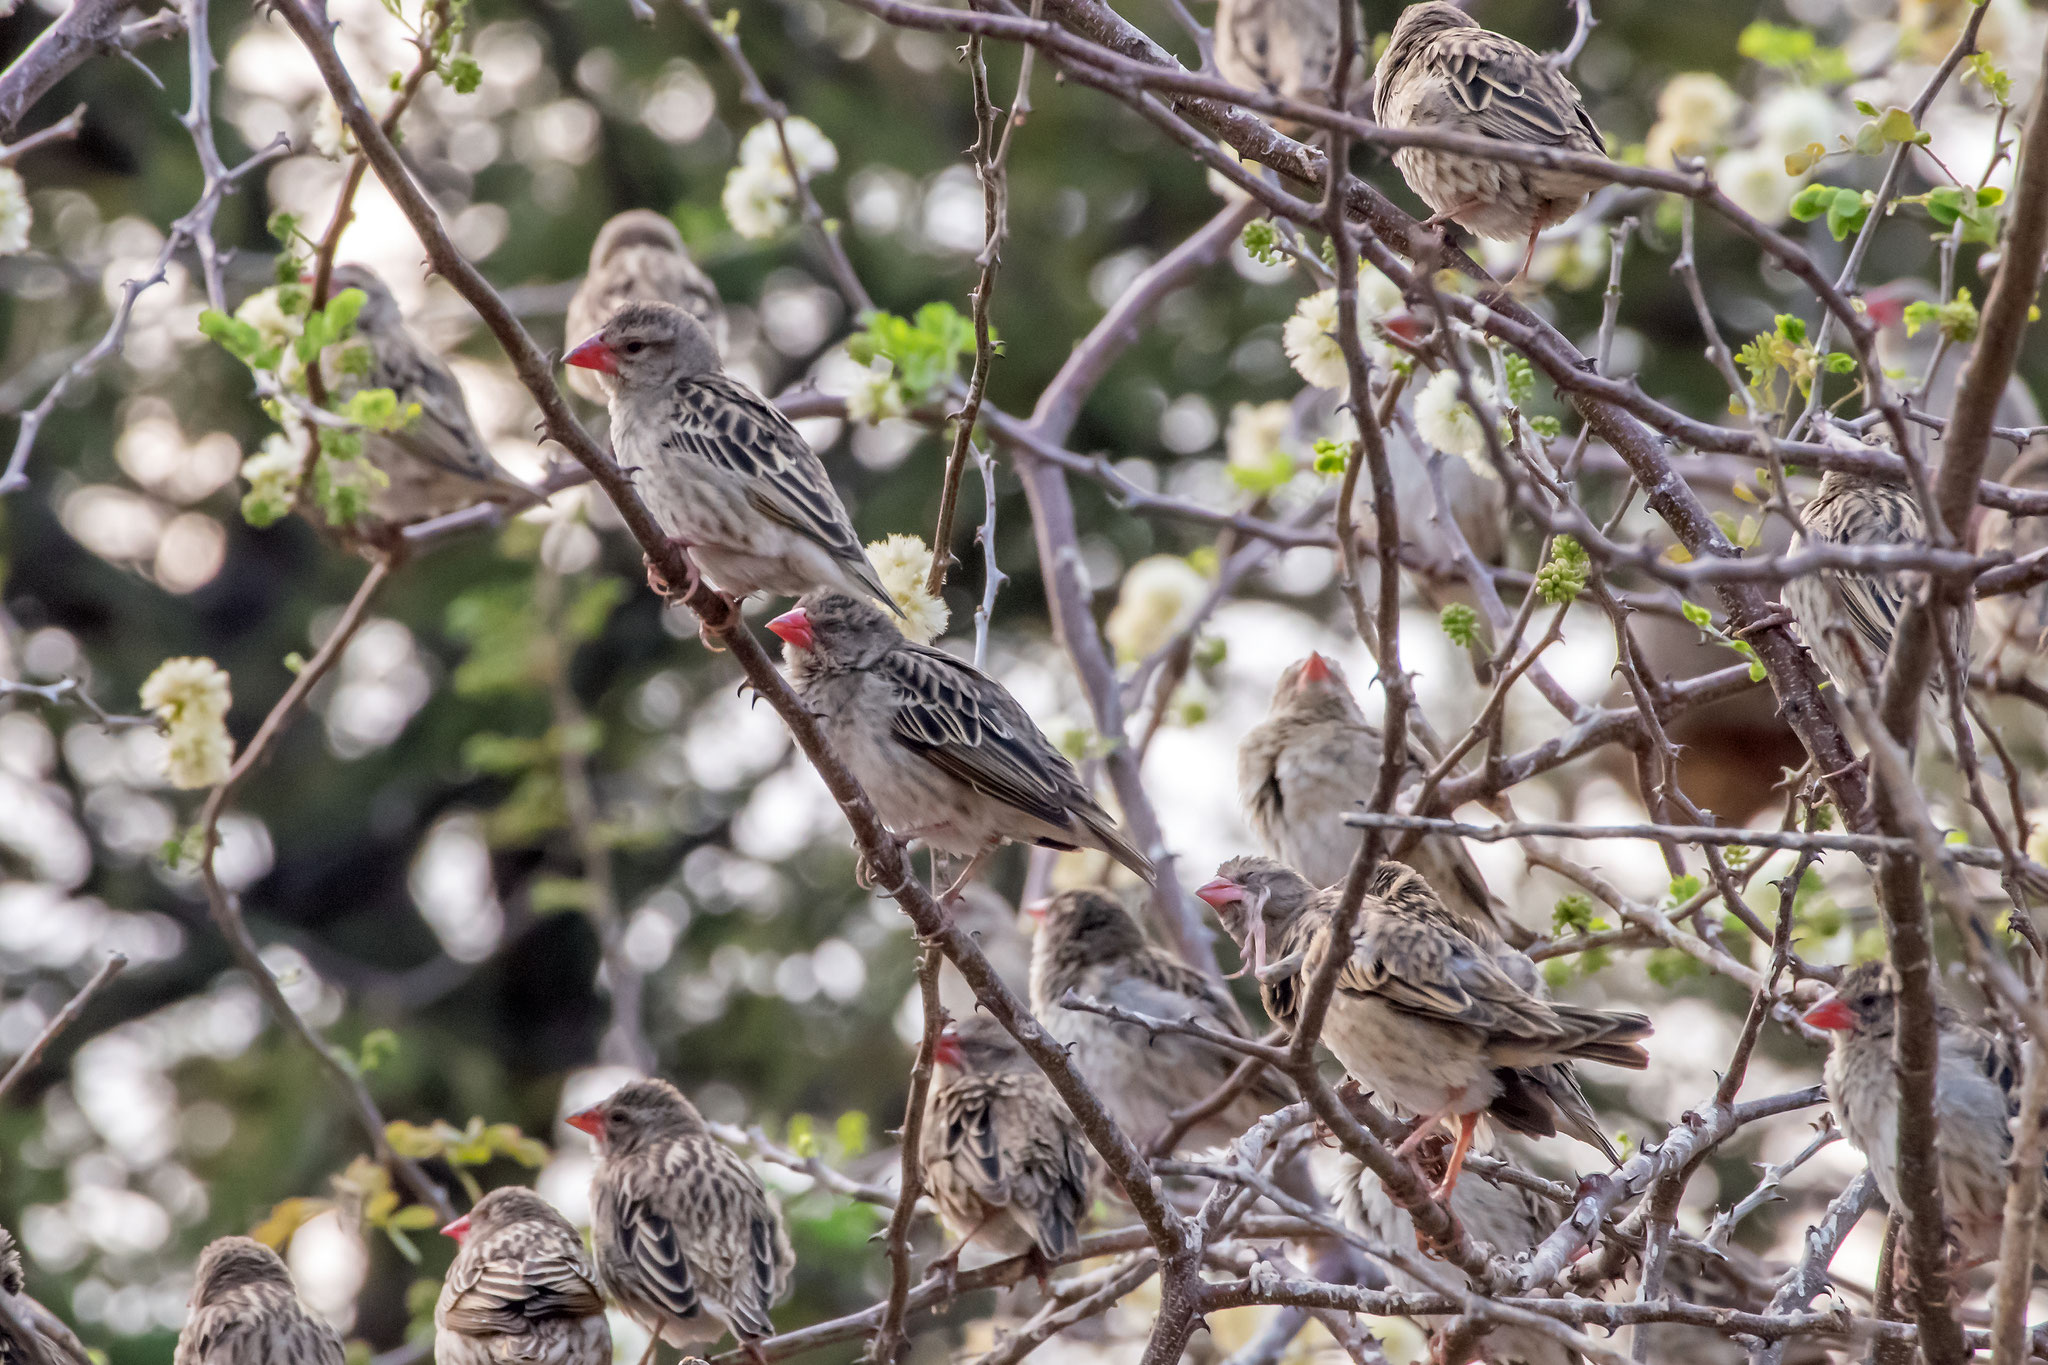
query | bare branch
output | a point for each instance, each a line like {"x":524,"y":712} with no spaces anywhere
{"x":62,"y":1020}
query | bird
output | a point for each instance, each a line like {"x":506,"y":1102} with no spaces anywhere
{"x":1314,"y":758}
{"x":60,"y":1345}
{"x":638,"y":257}
{"x":1976,"y":1095}
{"x":521,"y":1290}
{"x":1280,"y":47}
{"x":943,"y":750}
{"x":724,"y":473}
{"x":436,"y":463}
{"x":246,"y":1311}
{"x":1427,"y":1016}
{"x":1442,"y":70}
{"x":2016,"y":623}
{"x":688,"y":1244}
{"x":1087,"y":943}
{"x":1004,"y":1160}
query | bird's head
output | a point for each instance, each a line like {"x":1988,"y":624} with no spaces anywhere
{"x":635,"y":1114}
{"x":500,"y":1208}
{"x":1088,"y":923}
{"x":1416,"y":26}
{"x":1316,"y":688}
{"x":380,"y":311}
{"x":833,"y":625}
{"x":977,"y":1046}
{"x":648,"y":346}
{"x":232,"y":1262}
{"x":946,"y":1049}
{"x":634,"y":227}
{"x":1862,"y":1005}
{"x":1886,"y":303}
{"x":1252,"y":896}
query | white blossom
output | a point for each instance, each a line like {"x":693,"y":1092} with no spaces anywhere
{"x":190,"y":696}
{"x":1255,"y":431}
{"x":265,"y":312}
{"x":1754,"y":177}
{"x":1793,"y":116}
{"x":1159,"y":596}
{"x":273,"y":471}
{"x":1446,"y":422}
{"x":756,"y":201}
{"x":198,"y":757}
{"x":875,"y":396}
{"x":1694,"y":112}
{"x":904,"y":564}
{"x":815,"y":155}
{"x":1310,"y":336}
{"x":15,"y":213}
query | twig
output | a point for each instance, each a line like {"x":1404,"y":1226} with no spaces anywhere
{"x":63,"y":1019}
{"x":889,"y":1343}
{"x":73,"y":690}
{"x":2009,"y":1344}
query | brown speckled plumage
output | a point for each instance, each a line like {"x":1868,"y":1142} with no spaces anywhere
{"x":60,"y":1344}
{"x":1282,"y":47}
{"x":245,"y":1311}
{"x":688,"y":1243}
{"x":521,"y":1290}
{"x":1002,"y":1157}
{"x":638,"y":257}
{"x":1088,"y":944}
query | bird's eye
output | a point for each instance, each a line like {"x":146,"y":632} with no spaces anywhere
{"x":1865,"y":1001}
{"x":635,"y":347}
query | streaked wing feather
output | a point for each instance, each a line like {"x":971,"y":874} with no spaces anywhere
{"x":978,"y":734}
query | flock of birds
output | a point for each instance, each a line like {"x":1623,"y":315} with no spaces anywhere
{"x":1437,"y":1011}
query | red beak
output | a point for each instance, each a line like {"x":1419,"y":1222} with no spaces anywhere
{"x":947,"y":1050}
{"x":594,"y":355}
{"x":458,"y":1229}
{"x":794,"y":626}
{"x":1830,"y":1013}
{"x":1887,"y":305}
{"x":1220,"y":892}
{"x":1037,"y":910}
{"x":1404,"y":325}
{"x":1315,"y":668}
{"x":589,"y":1120}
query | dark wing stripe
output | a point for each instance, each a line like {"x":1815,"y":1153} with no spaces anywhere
{"x":734,"y":430}
{"x":651,"y":1246}
{"x":978,"y":733}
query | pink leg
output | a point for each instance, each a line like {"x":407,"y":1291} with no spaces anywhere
{"x":1468,"y":1124}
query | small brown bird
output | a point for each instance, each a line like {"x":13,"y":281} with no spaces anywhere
{"x":1441,"y":70}
{"x":1281,"y":47}
{"x":60,"y":1345}
{"x":1425,"y":1016}
{"x":688,"y":1244}
{"x":1086,"y":943}
{"x":1001,"y":1155}
{"x":638,"y":257}
{"x":521,"y":1291}
{"x":246,"y":1311}
{"x":724,"y":473}
{"x":944,"y":751}
{"x":1314,"y":758}
{"x":2016,"y":624}
{"x":437,"y":463}
{"x":1976,"y":1094}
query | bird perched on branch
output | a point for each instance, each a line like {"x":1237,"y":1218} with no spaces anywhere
{"x":521,"y":1291}
{"x":1314,"y":758}
{"x":723,"y":472}
{"x":1282,"y":47}
{"x":1976,"y":1095}
{"x":246,"y":1311}
{"x":60,"y":1345}
{"x":944,"y":751}
{"x":1003,"y":1159}
{"x":1425,"y":1015}
{"x":1088,"y":944}
{"x":638,"y":257}
{"x":687,"y":1243}
{"x":436,"y":463}
{"x":2016,"y":623}
{"x":1441,"y":70}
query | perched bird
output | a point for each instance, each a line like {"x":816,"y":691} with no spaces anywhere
{"x":638,"y":257}
{"x":436,"y":463}
{"x":245,"y":1311}
{"x":1428,"y":1016}
{"x":945,"y":752}
{"x":60,"y":1345}
{"x":1087,"y":944}
{"x":1314,"y":758}
{"x":521,"y":1291}
{"x":1442,"y":70}
{"x":1002,"y":1157}
{"x":1976,"y":1094}
{"x":2016,"y":623}
{"x":1281,"y":47}
{"x":687,"y":1243}
{"x":724,"y":473}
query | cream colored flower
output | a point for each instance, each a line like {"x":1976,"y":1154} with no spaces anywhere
{"x":1755,"y":179}
{"x":1694,"y":112}
{"x":756,"y":200}
{"x":273,"y":471}
{"x":263,"y":311}
{"x":1255,"y":431}
{"x":1310,"y":336}
{"x":198,"y":757}
{"x":815,"y":155}
{"x":876,"y":396}
{"x":191,"y":697}
{"x":905,"y":566}
{"x":1791,"y":117}
{"x":1447,"y":423}
{"x":16,"y":215}
{"x":1159,"y":596}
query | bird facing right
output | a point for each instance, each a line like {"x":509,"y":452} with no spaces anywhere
{"x":638,"y":257}
{"x":60,"y":1344}
{"x":723,"y":472}
{"x":687,"y":1243}
{"x":521,"y":1291}
{"x":1087,"y":943}
{"x":1426,"y":1017}
{"x":1441,"y":70}
{"x":246,"y":1311}
{"x":1004,"y":1160}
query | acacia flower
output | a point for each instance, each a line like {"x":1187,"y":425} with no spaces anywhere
{"x":756,"y":200}
{"x":190,"y":697}
{"x":1159,"y":596}
{"x":1448,"y":423}
{"x":1310,"y":336}
{"x":904,"y":564}
{"x":15,"y":213}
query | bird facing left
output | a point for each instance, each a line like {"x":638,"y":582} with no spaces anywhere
{"x":521,"y":1290}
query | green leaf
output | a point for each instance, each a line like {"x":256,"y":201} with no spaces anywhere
{"x":1549,"y":428}
{"x":1262,"y":242}
{"x":379,"y":1046}
{"x":1896,"y":125}
{"x":1792,"y":327}
{"x":1331,"y":456}
{"x":1521,"y":377}
{"x":283,"y":226}
{"x":1698,"y":615}
{"x":552,"y":895}
{"x":1683,"y":888}
{"x":1839,"y":362}
{"x":1563,"y":578}
{"x":1847,"y":213}
{"x":239,"y":339}
{"x":1812,"y":201}
{"x":1573,"y":914}
{"x":463,"y":74}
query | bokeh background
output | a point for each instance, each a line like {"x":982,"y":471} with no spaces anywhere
{"x":405,"y":855}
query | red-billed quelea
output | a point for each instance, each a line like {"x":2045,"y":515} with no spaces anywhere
{"x":944,"y":751}
{"x":687,"y":1243}
{"x":724,"y":473}
{"x":1976,"y":1093}
{"x":1425,"y":1016}
{"x":436,"y":463}
{"x":60,"y":1345}
{"x":521,"y":1291}
{"x":638,"y":257}
{"x":1313,"y":759}
{"x":1002,"y":1157}
{"x":1282,"y":47}
{"x":1088,"y":944}
{"x":246,"y":1311}
{"x":1442,"y":70}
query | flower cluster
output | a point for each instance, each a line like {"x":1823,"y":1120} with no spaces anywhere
{"x":760,"y":190}
{"x":1310,"y":336}
{"x":875,"y":396}
{"x":1694,"y":113}
{"x":1159,"y":596}
{"x":1447,"y":422}
{"x":190,"y":697}
{"x":905,"y":565}
{"x":15,"y":213}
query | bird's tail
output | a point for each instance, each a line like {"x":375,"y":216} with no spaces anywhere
{"x":1111,"y":840}
{"x":1609,"y":1036}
